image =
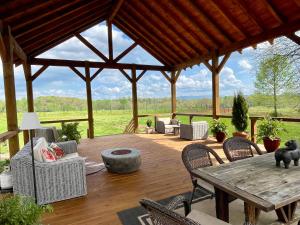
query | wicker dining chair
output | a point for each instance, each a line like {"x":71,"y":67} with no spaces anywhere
{"x":196,"y":156}
{"x":237,"y":148}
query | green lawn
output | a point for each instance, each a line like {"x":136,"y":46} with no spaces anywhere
{"x":114,"y":122}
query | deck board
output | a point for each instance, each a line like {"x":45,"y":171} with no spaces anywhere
{"x":161,"y":175}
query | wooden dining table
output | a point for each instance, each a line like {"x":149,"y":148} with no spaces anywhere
{"x":259,"y":183}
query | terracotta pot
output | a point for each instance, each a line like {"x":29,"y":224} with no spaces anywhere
{"x":242,"y":134}
{"x":220,"y":136}
{"x":271,"y":145}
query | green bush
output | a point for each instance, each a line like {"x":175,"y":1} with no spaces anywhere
{"x":218,"y":126}
{"x":17,"y":210}
{"x":3,"y":163}
{"x":240,"y":112}
{"x":149,"y":123}
{"x":270,"y":128}
{"x":70,"y":132}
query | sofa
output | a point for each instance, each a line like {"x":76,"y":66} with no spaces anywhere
{"x":56,"y":181}
{"x":194,"y":131}
{"x":165,"y":125}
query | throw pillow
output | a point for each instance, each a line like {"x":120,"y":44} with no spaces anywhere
{"x":58,"y":151}
{"x":48,"y":156}
{"x":37,"y":150}
{"x":174,"y":122}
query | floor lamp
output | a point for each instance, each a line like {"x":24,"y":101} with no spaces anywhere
{"x":31,"y":122}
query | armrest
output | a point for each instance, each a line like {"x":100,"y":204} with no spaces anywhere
{"x":68,"y":146}
{"x":177,"y":201}
{"x":52,"y":165}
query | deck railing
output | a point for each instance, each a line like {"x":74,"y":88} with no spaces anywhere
{"x":253,"y":120}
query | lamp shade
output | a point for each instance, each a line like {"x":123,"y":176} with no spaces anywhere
{"x":30,"y":121}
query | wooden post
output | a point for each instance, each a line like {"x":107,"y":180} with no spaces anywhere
{"x":134,"y":101}
{"x":30,"y":101}
{"x":173,"y":93}
{"x":215,"y":86}
{"x":89,"y":100}
{"x":110,"y":40}
{"x":253,"y":129}
{"x":10,"y":92}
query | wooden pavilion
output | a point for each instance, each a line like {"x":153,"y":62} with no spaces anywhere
{"x":179,"y":34}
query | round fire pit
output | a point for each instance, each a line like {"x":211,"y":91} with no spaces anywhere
{"x":121,"y":160}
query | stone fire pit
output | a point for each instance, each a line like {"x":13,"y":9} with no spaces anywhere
{"x":121,"y":160}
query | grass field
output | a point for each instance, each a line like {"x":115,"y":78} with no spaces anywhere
{"x":114,"y":122}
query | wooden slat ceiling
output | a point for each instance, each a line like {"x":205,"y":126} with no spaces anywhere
{"x":176,"y":32}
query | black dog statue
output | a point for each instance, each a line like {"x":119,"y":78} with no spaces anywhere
{"x":287,"y":154}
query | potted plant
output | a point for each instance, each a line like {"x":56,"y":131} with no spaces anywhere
{"x":70,"y":132}
{"x":268,"y":131}
{"x":149,"y":129}
{"x":240,"y":115}
{"x":21,"y":210}
{"x":219,"y":130}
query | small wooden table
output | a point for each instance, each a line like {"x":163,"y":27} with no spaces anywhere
{"x":259,"y":183}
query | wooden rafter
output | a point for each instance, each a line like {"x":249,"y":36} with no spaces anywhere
{"x":273,"y":10}
{"x":125,"y":52}
{"x":294,"y":38}
{"x":91,"y":47}
{"x":107,"y":65}
{"x":141,"y":75}
{"x":77,"y":72}
{"x":166,"y":75}
{"x":126,"y":75}
{"x":39,"y":72}
{"x":96,"y":74}
{"x":115,"y":8}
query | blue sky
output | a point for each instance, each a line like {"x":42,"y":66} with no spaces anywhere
{"x":238,"y":73}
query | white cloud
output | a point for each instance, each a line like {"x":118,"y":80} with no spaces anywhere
{"x":244,"y":64}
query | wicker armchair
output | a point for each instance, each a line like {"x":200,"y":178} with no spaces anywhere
{"x":164,"y":215}
{"x":198,"y":156}
{"x":237,"y":148}
{"x":195,"y":131}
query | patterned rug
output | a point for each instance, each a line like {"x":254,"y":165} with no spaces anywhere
{"x":139,"y":216}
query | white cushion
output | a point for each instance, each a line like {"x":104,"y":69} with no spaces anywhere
{"x":70,"y":156}
{"x":204,"y":218}
{"x":199,"y":122}
{"x":37,"y":150}
{"x":165,"y":120}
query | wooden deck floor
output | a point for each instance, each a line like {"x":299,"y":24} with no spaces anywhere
{"x":161,"y":175}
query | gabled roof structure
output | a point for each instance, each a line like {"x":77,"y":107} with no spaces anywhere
{"x":177,"y":33}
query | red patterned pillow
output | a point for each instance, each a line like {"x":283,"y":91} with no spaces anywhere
{"x":58,"y":151}
{"x":47,"y":155}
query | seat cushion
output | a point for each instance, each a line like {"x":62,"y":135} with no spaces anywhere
{"x":70,"y":156}
{"x":205,"y":219}
{"x":165,"y":120}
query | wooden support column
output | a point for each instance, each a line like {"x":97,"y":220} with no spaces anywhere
{"x":110,"y":40}
{"x":173,"y":93}
{"x":215,"y":86}
{"x":134,"y":100}
{"x":89,"y":100}
{"x":10,"y":92}
{"x":253,"y":129}
{"x":30,"y":101}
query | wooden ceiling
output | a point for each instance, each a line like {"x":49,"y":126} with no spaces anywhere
{"x":176,"y":32}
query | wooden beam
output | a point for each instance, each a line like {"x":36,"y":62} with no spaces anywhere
{"x":105,"y":65}
{"x":18,"y":50}
{"x":77,"y":72}
{"x":274,"y":11}
{"x":9,"y":90}
{"x":96,"y":74}
{"x":141,"y":75}
{"x":91,"y":47}
{"x":110,"y":41}
{"x":39,"y":72}
{"x":224,"y":60}
{"x":215,"y":86}
{"x":134,"y":101}
{"x":89,"y":100}
{"x":173,"y":92}
{"x":126,"y":75}
{"x":125,"y":52}
{"x":166,"y":75}
{"x":177,"y":75}
{"x":115,"y":8}
{"x":294,"y":38}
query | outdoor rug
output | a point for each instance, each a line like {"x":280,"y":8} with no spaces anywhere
{"x":139,"y":216}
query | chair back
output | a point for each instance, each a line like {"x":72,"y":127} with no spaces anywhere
{"x":198,"y":156}
{"x":237,"y":148}
{"x":160,"y":215}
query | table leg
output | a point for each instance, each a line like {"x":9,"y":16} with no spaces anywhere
{"x":251,"y":214}
{"x":286,"y":213}
{"x":222,"y":203}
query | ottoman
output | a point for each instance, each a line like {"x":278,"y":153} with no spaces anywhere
{"x":121,"y":160}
